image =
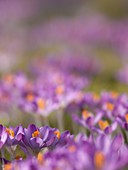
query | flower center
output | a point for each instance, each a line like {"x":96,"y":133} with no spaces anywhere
{"x":9,"y":78}
{"x":8,"y":166}
{"x":40,"y":158}
{"x":103,"y":124}
{"x":41,"y":103}
{"x":86,"y":114}
{"x":18,"y":158}
{"x":57,"y":133}
{"x":114,"y":94}
{"x":126,"y":117}
{"x":99,"y":160}
{"x":35,"y":134}
{"x":110,"y":106}
{"x":30,"y":97}
{"x":96,"y":97}
{"x":72,"y":148}
{"x":10,"y":132}
{"x":60,"y":90}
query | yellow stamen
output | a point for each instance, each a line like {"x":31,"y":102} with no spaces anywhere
{"x":10,"y":132}
{"x":28,"y":85}
{"x":57,"y":133}
{"x":60,"y":90}
{"x":35,"y":134}
{"x":41,"y":103}
{"x":114,"y":94}
{"x":103,"y":124}
{"x":96,"y":97}
{"x":18,"y":157}
{"x":4,"y":97}
{"x":30,"y":97}
{"x":58,"y":79}
{"x":110,"y":106}
{"x":8,"y":166}
{"x":72,"y":148}
{"x":9,"y":78}
{"x":99,"y":160}
{"x":79,"y":96}
{"x":40,"y":158}
{"x":126,"y":117}
{"x":86,"y":114}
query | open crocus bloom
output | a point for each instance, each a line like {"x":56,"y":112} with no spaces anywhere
{"x":98,"y":153}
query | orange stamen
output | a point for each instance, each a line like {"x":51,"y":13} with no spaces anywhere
{"x":79,"y":96}
{"x":8,"y":166}
{"x":60,"y":90}
{"x":99,"y":160}
{"x":110,"y":106}
{"x":126,"y":117}
{"x":9,"y":78}
{"x":41,"y":103}
{"x":10,"y":132}
{"x":4,"y":97}
{"x":96,"y":97}
{"x":86,"y":114}
{"x":30,"y":97}
{"x":35,"y":134}
{"x":103,"y":124}
{"x":72,"y":148}
{"x":40,"y":158}
{"x":18,"y":157}
{"x":28,"y":85}
{"x":114,"y":94}
{"x":57,"y":133}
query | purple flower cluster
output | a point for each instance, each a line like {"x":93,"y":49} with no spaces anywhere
{"x":101,"y":153}
{"x":31,"y":139}
{"x":54,"y":83}
{"x":102,"y":114}
{"x":38,"y":96}
{"x":80,"y":30}
{"x":104,"y":118}
{"x":46,"y":93}
{"x":91,"y":130}
{"x":104,"y":147}
{"x":69,"y":62}
{"x":122,"y":74}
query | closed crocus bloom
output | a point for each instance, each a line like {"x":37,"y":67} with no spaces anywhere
{"x":3,"y":136}
{"x":79,"y":30}
{"x":122,"y":74}
{"x":123,"y":121}
{"x":14,"y":135}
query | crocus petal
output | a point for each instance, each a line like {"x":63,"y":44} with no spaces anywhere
{"x":117,"y":143}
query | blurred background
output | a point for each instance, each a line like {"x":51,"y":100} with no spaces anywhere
{"x":31,"y":29}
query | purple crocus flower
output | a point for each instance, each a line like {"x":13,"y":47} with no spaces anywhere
{"x":101,"y":153}
{"x":34,"y":138}
{"x":122,"y":74}
{"x":14,"y":135}
{"x":100,"y":114}
{"x":82,"y":65}
{"x":3,"y":136}
{"x":50,"y":92}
